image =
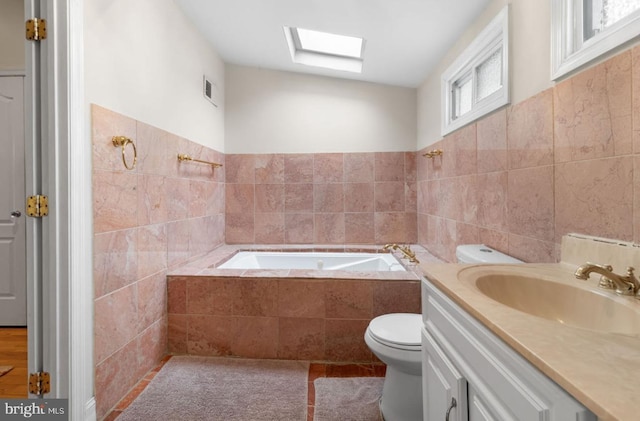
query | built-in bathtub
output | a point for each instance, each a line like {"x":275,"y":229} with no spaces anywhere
{"x":345,"y":261}
{"x":293,"y":313}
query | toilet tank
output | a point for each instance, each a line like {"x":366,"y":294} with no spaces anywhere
{"x":479,"y":253}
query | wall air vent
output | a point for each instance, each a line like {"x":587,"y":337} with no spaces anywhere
{"x":210,"y":90}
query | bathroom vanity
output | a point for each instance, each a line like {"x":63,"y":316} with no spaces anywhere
{"x":484,"y":360}
{"x":470,"y":374}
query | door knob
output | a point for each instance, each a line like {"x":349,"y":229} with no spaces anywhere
{"x":16,"y":214}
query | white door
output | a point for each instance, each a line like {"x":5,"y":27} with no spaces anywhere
{"x":13,"y":277}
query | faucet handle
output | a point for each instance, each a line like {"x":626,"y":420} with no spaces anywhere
{"x":634,"y":281}
{"x":605,"y":283}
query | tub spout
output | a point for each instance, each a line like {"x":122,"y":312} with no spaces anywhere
{"x":406,"y":250}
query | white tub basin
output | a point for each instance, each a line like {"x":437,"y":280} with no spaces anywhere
{"x":357,"y":262}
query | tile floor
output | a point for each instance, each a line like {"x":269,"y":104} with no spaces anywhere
{"x":316,"y":370}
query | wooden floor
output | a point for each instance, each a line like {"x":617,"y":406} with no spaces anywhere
{"x":13,"y":351}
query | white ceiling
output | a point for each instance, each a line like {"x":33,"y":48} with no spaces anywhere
{"x":405,"y":39}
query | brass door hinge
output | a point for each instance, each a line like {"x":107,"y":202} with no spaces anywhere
{"x":39,"y":383}
{"x":37,"y":206}
{"x":36,"y":29}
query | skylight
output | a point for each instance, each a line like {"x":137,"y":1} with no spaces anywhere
{"x":326,"y":43}
{"x":322,"y":49}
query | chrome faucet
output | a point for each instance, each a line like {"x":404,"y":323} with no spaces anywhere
{"x":623,"y":284}
{"x":406,"y":250}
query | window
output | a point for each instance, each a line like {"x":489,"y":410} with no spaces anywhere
{"x":478,"y":80}
{"x":582,"y":30}
{"x":325,"y":43}
{"x":461,"y":96}
{"x":315,"y":48}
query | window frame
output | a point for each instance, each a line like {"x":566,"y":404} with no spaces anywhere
{"x":493,"y":37}
{"x":569,"y":51}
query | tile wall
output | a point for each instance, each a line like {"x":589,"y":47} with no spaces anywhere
{"x":519,"y":179}
{"x":328,"y":198}
{"x":146,"y":221}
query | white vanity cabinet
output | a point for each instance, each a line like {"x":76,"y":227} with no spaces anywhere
{"x":463,"y":360}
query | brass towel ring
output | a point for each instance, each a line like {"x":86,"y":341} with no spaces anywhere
{"x":432,"y":154}
{"x":123,"y":141}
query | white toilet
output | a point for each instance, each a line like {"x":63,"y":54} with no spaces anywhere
{"x":396,"y":340}
{"x":479,"y":253}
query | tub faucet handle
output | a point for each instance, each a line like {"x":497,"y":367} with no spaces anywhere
{"x":410,"y":254}
{"x":406,"y":251}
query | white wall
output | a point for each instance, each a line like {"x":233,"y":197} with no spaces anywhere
{"x":145,"y":60}
{"x":269,"y":111}
{"x":12,"y":34}
{"x":530,"y":49}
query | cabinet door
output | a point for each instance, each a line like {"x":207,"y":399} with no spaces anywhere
{"x":443,"y":387}
{"x":479,"y":409}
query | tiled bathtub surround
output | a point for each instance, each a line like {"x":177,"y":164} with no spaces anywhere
{"x":146,"y":221}
{"x":521,"y":178}
{"x":308,"y":315}
{"x":308,"y":319}
{"x":324,"y":198}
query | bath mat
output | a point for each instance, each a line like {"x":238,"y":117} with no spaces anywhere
{"x":191,"y":388}
{"x":349,"y":398}
{"x":4,"y":369}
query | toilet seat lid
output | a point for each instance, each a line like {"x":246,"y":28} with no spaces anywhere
{"x":397,"y":329}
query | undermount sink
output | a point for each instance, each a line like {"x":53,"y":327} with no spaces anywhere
{"x":556,"y":298}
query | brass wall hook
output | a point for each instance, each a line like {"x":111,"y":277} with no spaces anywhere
{"x":123,"y":141}
{"x":432,"y":154}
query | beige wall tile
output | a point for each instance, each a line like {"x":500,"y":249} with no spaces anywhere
{"x":592,"y":112}
{"x":530,"y":203}
{"x":530,"y":132}
{"x":492,"y":142}
{"x":595,"y":197}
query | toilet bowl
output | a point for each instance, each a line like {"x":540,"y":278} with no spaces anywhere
{"x":396,"y":340}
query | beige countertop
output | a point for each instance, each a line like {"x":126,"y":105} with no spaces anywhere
{"x":601,"y":370}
